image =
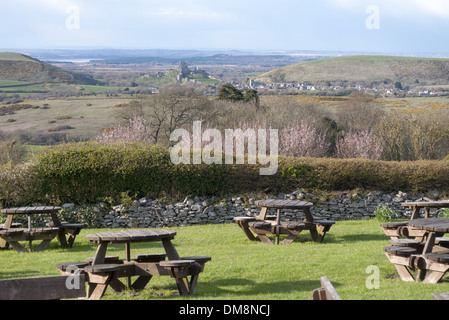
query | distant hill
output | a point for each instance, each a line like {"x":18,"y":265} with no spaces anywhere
{"x":363,"y":68}
{"x":19,"y":67}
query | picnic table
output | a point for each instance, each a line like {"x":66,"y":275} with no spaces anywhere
{"x":401,"y":229}
{"x":10,"y":235}
{"x":103,"y":271}
{"x":262,"y":225}
{"x":429,"y":259}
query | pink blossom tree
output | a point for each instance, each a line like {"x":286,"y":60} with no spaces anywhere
{"x":303,"y":139}
{"x":363,"y":144}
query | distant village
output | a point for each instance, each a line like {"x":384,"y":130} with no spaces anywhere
{"x":382,"y":90}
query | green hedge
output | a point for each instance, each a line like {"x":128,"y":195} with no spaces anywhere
{"x":92,"y":172}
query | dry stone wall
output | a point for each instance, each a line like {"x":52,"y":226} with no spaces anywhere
{"x":150,"y":213}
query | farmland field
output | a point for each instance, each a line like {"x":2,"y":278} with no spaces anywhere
{"x":86,"y":116}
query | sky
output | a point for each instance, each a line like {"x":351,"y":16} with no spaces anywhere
{"x":378,"y":26}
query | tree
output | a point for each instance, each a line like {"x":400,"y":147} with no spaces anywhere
{"x":173,"y":108}
{"x":398,"y":85}
{"x":229,"y":92}
{"x":252,"y":95}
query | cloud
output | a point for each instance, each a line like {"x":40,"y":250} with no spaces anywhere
{"x":180,"y":13}
{"x":49,"y":5}
{"x":438,"y":8}
{"x":398,"y":8}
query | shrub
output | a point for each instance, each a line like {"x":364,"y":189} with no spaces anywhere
{"x":16,"y":183}
{"x":384,"y":213}
{"x":90,"y":172}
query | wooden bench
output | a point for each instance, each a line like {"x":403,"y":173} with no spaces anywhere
{"x":433,"y":267}
{"x":13,"y":225}
{"x":71,"y":230}
{"x":442,"y":241}
{"x":411,"y":243}
{"x":67,"y":268}
{"x":51,"y":288}
{"x":403,"y":260}
{"x":440,"y":296}
{"x":108,"y":260}
{"x":100,"y":276}
{"x":180,"y":270}
{"x":154,"y":257}
{"x":243,"y":224}
{"x":326,"y":292}
{"x":394,"y":230}
{"x":14,"y":236}
{"x":320,"y":228}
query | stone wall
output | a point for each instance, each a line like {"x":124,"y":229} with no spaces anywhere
{"x":148,"y":213}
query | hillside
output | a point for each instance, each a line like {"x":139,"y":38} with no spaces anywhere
{"x":363,"y":68}
{"x":19,"y":67}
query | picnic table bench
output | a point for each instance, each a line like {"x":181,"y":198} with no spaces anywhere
{"x":395,"y":230}
{"x":326,"y":292}
{"x":12,"y":234}
{"x":106,"y":271}
{"x":49,"y":288}
{"x":416,"y":260}
{"x":263,"y":225}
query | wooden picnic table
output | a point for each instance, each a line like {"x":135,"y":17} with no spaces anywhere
{"x":430,"y":258}
{"x":102,"y":273}
{"x":12,"y":236}
{"x":263,"y":224}
{"x":401,"y":229}
{"x":426,"y":205}
{"x":65,"y":232}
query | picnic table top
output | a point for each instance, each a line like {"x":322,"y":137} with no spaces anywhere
{"x":126,"y":236}
{"x":433,"y":204}
{"x":431,"y":224}
{"x":31,"y":210}
{"x":284,"y":204}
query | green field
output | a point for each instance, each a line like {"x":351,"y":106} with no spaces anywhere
{"x":245,"y":270}
{"x":11,"y":56}
{"x":363,"y":68}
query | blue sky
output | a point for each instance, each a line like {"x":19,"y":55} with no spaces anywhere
{"x":395,"y":26}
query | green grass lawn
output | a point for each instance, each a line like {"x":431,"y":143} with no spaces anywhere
{"x":245,"y":270}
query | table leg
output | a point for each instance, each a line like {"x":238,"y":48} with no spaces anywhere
{"x":433,"y":277}
{"x":429,"y":243}
{"x":100,"y":255}
{"x":404,"y":273}
{"x":264,"y":239}
{"x":415,"y":214}
{"x":141,"y":282}
{"x":128,"y":259}
{"x":17,"y":246}
{"x":263,"y":213}
{"x":244,"y":226}
{"x":42,"y":246}
{"x":62,"y":239}
{"x":308,"y":215}
{"x":278,"y":223}
{"x":8,"y":223}
{"x":172,"y":254}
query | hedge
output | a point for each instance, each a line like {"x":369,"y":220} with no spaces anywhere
{"x":91,"y":172}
